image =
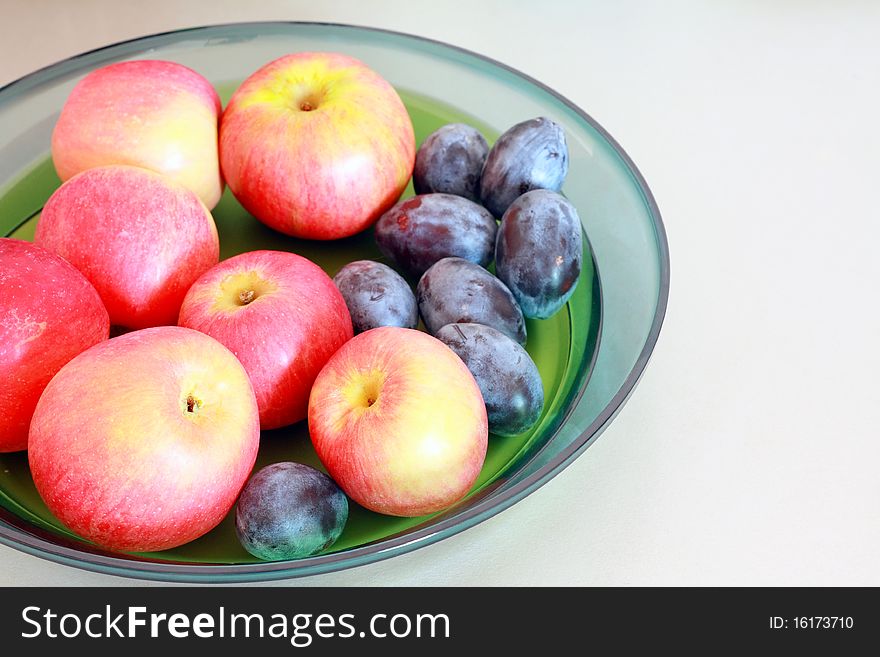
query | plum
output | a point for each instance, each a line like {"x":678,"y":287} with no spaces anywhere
{"x":456,"y":290}
{"x":421,"y":230}
{"x":288,"y":511}
{"x":539,"y":252}
{"x":376,"y":295}
{"x":530,"y":155}
{"x":450,"y":160}
{"x":504,"y":371}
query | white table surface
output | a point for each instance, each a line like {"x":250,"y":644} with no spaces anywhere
{"x":749,"y":453}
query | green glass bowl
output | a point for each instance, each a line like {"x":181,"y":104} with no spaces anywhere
{"x":586,"y":380}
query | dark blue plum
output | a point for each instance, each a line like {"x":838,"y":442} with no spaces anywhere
{"x":289,"y":511}
{"x":504,"y":371}
{"x":376,"y":295}
{"x":421,"y":230}
{"x":530,"y":155}
{"x":450,"y":160}
{"x":539,"y":252}
{"x":456,"y":290}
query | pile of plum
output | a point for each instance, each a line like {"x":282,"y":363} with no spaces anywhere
{"x":447,"y":237}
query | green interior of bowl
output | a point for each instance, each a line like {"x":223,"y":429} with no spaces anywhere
{"x":563,"y":347}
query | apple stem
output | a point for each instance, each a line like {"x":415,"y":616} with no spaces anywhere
{"x":192,"y":404}
{"x":245,"y":297}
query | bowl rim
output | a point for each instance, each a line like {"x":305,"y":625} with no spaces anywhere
{"x":487,"y":506}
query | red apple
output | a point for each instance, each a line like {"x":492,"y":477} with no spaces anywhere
{"x":144,"y":441}
{"x":399,"y":422}
{"x":155,"y":114}
{"x":316,"y":145}
{"x":140,"y":238}
{"x":49,"y":313}
{"x":281,"y":315}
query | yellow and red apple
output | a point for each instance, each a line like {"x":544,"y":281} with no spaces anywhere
{"x":399,"y":422}
{"x":49,"y":313}
{"x":139,"y":237}
{"x":144,"y":441}
{"x":158,"y":115}
{"x":281,"y":315}
{"x":316,"y":145}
